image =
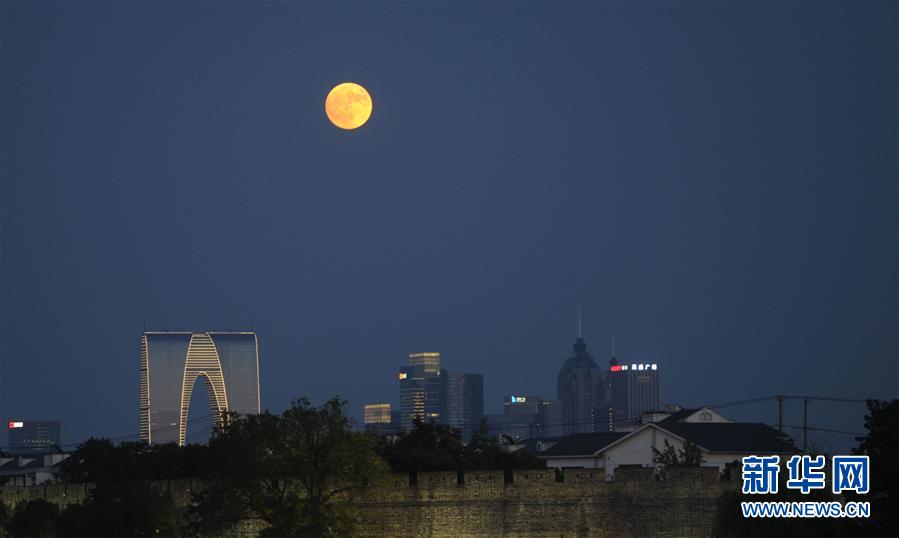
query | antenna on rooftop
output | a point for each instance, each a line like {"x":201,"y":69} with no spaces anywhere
{"x":579,"y":335}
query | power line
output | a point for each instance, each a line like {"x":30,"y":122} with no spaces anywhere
{"x":810,"y":428}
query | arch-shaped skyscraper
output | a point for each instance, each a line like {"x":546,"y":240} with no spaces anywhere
{"x":172,"y":362}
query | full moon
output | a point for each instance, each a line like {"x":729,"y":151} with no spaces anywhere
{"x":348,"y":105}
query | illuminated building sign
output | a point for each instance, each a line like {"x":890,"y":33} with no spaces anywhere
{"x":16,"y":424}
{"x":402,"y":375}
{"x":634,"y":366}
{"x":519,"y":399}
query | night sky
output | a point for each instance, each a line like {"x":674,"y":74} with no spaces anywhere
{"x":715,"y":184}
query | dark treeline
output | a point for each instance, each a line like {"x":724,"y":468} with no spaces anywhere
{"x":437,"y":447}
{"x":298,"y":473}
{"x":428,"y":447}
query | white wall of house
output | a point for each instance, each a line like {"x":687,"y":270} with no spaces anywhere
{"x":638,"y":449}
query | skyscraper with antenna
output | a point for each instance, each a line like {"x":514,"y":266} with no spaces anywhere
{"x":581,"y":388}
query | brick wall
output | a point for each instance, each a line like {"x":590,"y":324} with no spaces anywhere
{"x":533,"y":504}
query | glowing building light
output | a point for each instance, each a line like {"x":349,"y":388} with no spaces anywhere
{"x":616,"y":368}
{"x":402,"y":375}
{"x":13,"y":424}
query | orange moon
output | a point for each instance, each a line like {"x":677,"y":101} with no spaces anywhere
{"x":348,"y":105}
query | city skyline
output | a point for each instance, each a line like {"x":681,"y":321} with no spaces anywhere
{"x":723,"y":203}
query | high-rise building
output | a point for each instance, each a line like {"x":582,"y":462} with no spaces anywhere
{"x":581,"y":389}
{"x":171,"y":363}
{"x":635,"y":390}
{"x":33,"y":435}
{"x":379,"y":417}
{"x":428,"y":360}
{"x":463,"y":402}
{"x":377,"y":413}
{"x":549,"y":419}
{"x":421,"y":389}
{"x":527,"y":417}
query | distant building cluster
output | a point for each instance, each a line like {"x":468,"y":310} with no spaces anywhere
{"x":596,"y":399}
{"x":601,"y":417}
{"x":430,"y":393}
{"x":589,"y":399}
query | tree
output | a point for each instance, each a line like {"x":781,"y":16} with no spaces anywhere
{"x":688,"y":456}
{"x":438,"y":447}
{"x":485,"y":452}
{"x":881,"y":444}
{"x":428,"y":447}
{"x":297,"y":472}
{"x":99,"y":460}
{"x":125,"y":508}
{"x":34,"y":519}
{"x":4,"y":518}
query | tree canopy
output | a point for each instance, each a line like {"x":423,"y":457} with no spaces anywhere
{"x":297,"y":472}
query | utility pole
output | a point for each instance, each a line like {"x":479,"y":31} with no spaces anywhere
{"x":805,"y":425}
{"x":780,"y":413}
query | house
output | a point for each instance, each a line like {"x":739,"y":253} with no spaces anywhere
{"x":721,"y":441}
{"x":534,"y":445}
{"x":30,"y":469}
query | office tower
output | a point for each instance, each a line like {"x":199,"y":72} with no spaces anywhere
{"x":378,"y":417}
{"x":463,"y":402}
{"x":171,"y":363}
{"x":421,"y":389}
{"x":635,"y":390}
{"x":377,"y":413}
{"x":519,"y":416}
{"x":581,"y":389}
{"x":527,"y":417}
{"x":33,"y":435}
{"x":428,"y":360}
{"x":549,"y":419}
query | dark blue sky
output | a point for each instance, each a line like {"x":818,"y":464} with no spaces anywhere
{"x":716,"y":184}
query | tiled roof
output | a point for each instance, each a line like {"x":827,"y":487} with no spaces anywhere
{"x":750,"y":437}
{"x":530,"y":444}
{"x":583,"y":444}
{"x":677,"y":417}
{"x":738,"y":437}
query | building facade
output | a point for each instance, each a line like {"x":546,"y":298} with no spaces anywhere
{"x":380,"y":418}
{"x":376,"y":413}
{"x":582,"y":391}
{"x":33,"y":469}
{"x":31,"y":436}
{"x":527,"y":417}
{"x":421,"y":389}
{"x":463,"y":402}
{"x":635,"y":391}
{"x":723,"y":443}
{"x":171,"y":363}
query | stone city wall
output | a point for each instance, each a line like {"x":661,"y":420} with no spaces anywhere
{"x":536,"y":503}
